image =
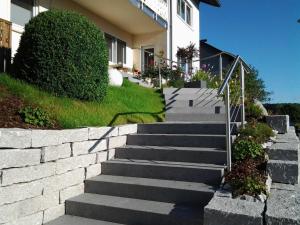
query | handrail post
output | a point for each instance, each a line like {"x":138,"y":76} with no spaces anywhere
{"x":221,"y":67}
{"x":242,"y":81}
{"x":228,"y":126}
{"x":159,"y":73}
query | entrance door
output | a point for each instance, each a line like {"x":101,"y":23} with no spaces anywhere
{"x":148,"y":58}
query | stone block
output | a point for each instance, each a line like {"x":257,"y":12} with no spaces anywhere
{"x":127,"y":129}
{"x":63,"y":181}
{"x":111,"y":154}
{"x":65,"y":165}
{"x":284,"y":151}
{"x":74,"y":135}
{"x":283,"y":171}
{"x":19,"y":158}
{"x":19,"y":192}
{"x":50,"y":199}
{"x":283,"y":208}
{"x":26,"y":174}
{"x":88,"y":147}
{"x":53,"y":213}
{"x":116,"y":142}
{"x":102,"y":157}
{"x":15,"y":138}
{"x":13,"y":212}
{"x":34,"y":219}
{"x":281,"y":123}
{"x":228,"y":211}
{"x":42,"y":138}
{"x":70,"y":192}
{"x":93,"y":171}
{"x":53,"y":153}
{"x":102,"y":132}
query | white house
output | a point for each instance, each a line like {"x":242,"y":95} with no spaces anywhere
{"x":134,"y":29}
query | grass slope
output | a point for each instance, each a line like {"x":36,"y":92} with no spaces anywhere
{"x":127,"y":104}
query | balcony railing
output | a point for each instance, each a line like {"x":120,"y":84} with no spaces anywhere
{"x":158,"y":6}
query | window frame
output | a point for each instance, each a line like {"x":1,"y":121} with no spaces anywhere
{"x":114,"y":58}
{"x":184,"y":15}
{"x":27,"y":5}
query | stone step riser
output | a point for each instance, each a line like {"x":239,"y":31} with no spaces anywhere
{"x":124,"y":216}
{"x":196,"y":110}
{"x":211,"y":157}
{"x":194,"y":104}
{"x":178,"y":140}
{"x":152,"y":193}
{"x":184,"y":128}
{"x":197,"y":97}
{"x":286,"y":172}
{"x":187,"y":91}
{"x":203,"y":175}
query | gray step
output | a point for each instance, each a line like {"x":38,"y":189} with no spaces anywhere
{"x":175,"y":154}
{"x":187,"y":91}
{"x":184,"y":128}
{"x":180,"y":171}
{"x":151,"y":189}
{"x":179,"y":140}
{"x":195,"y":103}
{"x":132,"y":211}
{"x":196,"y":110}
{"x":200,"y":96}
{"x":284,"y":151}
{"x":198,"y":117}
{"x":75,"y":220}
{"x":286,"y":172}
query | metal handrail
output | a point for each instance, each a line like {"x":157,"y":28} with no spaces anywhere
{"x":225,"y":88}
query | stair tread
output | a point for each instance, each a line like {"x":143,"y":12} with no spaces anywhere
{"x":75,"y":220}
{"x":138,"y":205}
{"x":171,"y":148}
{"x":150,"y":182}
{"x":180,"y":135}
{"x":166,"y":163}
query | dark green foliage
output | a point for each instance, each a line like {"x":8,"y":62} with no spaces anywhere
{"x":64,"y":53}
{"x":35,"y":116}
{"x":291,"y":109}
{"x":253,"y":112}
{"x":255,"y":87}
{"x":172,"y":75}
{"x":243,"y":149}
{"x":258,"y":132}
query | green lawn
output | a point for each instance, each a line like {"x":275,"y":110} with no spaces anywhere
{"x":127,"y":104}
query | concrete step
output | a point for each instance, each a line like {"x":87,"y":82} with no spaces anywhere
{"x":187,"y":91}
{"x":184,"y":128}
{"x":211,"y":94}
{"x":179,"y":140}
{"x":191,"y":172}
{"x":196,"y":110}
{"x":133,"y":211}
{"x":75,"y":220}
{"x":175,"y":154}
{"x":286,"y":172}
{"x":178,"y":192}
{"x":284,"y":151}
{"x":198,"y":117}
{"x":195,"y":103}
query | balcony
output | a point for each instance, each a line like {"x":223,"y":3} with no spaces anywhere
{"x":133,"y":16}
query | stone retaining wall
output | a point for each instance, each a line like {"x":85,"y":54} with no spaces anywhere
{"x":40,"y":169}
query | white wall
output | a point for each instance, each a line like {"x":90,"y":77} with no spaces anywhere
{"x":184,"y":34}
{"x":5,"y":9}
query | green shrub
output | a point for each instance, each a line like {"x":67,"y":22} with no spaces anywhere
{"x":35,"y":116}
{"x":253,"y":112}
{"x":258,"y":132}
{"x":243,"y":149}
{"x":64,"y":53}
{"x":212,"y":81}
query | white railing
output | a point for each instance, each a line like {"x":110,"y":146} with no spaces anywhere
{"x":158,"y":6}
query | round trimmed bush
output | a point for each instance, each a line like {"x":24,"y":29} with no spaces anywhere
{"x":64,"y":53}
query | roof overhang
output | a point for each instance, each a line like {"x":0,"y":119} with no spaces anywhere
{"x":212,"y":2}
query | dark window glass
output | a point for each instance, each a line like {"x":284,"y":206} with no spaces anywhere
{"x":110,"y":42}
{"x":121,"y":52}
{"x":21,"y":11}
{"x":188,"y":15}
{"x":182,"y":10}
{"x":178,"y":7}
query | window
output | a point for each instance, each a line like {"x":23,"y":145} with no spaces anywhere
{"x":21,"y":11}
{"x":184,"y":10}
{"x":116,"y":49}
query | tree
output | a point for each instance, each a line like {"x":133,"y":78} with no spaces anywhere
{"x":255,"y":87}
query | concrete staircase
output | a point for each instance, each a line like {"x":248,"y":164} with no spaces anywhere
{"x":165,"y":175}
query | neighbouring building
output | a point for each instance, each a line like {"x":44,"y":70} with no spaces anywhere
{"x":135,"y":30}
{"x":214,"y":59}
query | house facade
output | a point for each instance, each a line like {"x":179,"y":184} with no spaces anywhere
{"x":136,"y":30}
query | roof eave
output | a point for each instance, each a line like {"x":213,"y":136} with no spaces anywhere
{"x":215,"y":3}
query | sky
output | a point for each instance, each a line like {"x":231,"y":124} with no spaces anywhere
{"x":266,"y":34}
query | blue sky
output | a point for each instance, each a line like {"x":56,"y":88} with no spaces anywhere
{"x":266,"y":34}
